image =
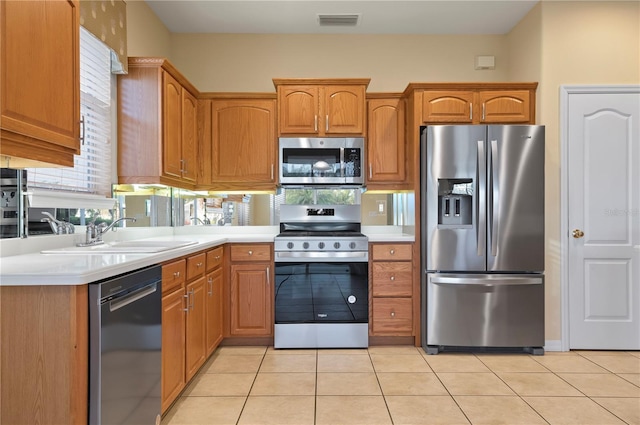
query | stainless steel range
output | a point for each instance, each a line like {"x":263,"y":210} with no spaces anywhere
{"x":321,"y":266}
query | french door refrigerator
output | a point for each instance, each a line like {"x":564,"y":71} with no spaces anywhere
{"x":482,"y":233}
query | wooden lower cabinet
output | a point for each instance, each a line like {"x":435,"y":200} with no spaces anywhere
{"x":392,"y":290}
{"x":44,"y":358}
{"x":195,"y":325}
{"x":214,"y":310}
{"x":250,"y":290}
{"x":173,"y":343}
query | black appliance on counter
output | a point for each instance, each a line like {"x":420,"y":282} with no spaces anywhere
{"x":321,"y":280}
{"x":13,"y":215}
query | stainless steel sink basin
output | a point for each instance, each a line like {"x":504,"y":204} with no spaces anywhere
{"x":123,"y":247}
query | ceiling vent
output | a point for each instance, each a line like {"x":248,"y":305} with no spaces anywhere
{"x":338,"y":20}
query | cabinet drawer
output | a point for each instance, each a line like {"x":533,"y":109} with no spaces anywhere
{"x":214,"y":258}
{"x":391,"y":252}
{"x":196,"y":266}
{"x":173,"y":275}
{"x":392,"y":316}
{"x":248,"y":252}
{"x":392,"y":279}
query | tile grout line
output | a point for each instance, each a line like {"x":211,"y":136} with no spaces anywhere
{"x":384,"y":397}
{"x":246,"y":399}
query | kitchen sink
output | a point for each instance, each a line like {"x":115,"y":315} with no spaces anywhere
{"x":123,"y":247}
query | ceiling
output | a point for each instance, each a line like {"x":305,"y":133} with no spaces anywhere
{"x":374,"y":17}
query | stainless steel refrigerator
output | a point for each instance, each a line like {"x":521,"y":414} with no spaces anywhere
{"x":482,"y":233}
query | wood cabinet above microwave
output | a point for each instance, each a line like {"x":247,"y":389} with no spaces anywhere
{"x":321,"y":107}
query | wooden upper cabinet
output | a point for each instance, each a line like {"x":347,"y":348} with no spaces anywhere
{"x":447,"y":107}
{"x":157,"y":125}
{"x":385,"y":141}
{"x":505,"y":106}
{"x":172,"y":129}
{"x":189,"y":136}
{"x":243,"y":143}
{"x":299,"y":109}
{"x":40,"y":82}
{"x":321,"y":107}
{"x":477,"y":103}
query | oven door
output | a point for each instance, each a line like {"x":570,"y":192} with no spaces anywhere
{"x":321,"y":292}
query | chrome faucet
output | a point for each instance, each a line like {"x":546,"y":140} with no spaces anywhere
{"x":197,"y":220}
{"x":59,"y":227}
{"x":95,"y":232}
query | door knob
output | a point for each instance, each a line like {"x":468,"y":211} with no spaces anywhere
{"x":577,"y":233}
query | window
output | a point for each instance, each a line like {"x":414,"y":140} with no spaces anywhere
{"x":91,"y":173}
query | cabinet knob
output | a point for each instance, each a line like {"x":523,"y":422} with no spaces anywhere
{"x":199,"y":264}
{"x":392,"y":251}
{"x":392,"y":278}
{"x":250,"y":252}
{"x":176,"y":274}
{"x":393,"y":314}
{"x":217,"y":257}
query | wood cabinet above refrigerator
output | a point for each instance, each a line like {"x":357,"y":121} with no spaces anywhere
{"x":321,"y":107}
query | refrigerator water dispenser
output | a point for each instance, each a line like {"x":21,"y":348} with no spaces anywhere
{"x":455,"y":202}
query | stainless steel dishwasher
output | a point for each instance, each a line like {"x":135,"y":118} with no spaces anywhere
{"x":125,"y":334}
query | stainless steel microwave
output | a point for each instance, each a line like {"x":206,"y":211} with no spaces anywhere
{"x":308,"y":161}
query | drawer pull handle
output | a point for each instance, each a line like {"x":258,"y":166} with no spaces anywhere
{"x":176,"y":274}
{"x":393,"y":314}
{"x":199,"y":264}
{"x":217,"y":257}
{"x":392,"y":278}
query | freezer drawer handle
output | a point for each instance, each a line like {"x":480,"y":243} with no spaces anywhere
{"x":487,"y":282}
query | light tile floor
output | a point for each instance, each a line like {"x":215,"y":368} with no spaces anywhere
{"x":404,"y":385}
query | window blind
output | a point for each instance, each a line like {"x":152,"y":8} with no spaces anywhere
{"x":91,"y":172}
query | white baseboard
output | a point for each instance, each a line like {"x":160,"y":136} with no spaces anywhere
{"x":553,"y":345}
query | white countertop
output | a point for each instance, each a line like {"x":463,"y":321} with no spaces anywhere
{"x":20,"y":268}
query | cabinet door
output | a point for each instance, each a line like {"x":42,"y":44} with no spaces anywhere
{"x":244,"y":141}
{"x":214,"y":310}
{"x":344,"y":110}
{"x":505,"y":106}
{"x":189,"y":136}
{"x":40,"y":79}
{"x":298,"y":109}
{"x":385,"y":140}
{"x":173,"y":340}
{"x":251,"y":302}
{"x":171,"y":126}
{"x":195,"y":327}
{"x":448,"y":107}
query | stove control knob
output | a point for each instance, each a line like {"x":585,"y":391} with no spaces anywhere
{"x":290,"y":245}
{"x":321,"y":245}
{"x":352,"y":245}
{"x":336,"y":245}
{"x":305,"y":245}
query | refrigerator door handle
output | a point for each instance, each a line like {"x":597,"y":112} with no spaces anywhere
{"x":481,"y":216}
{"x":495,"y":195}
{"x":483,"y":281}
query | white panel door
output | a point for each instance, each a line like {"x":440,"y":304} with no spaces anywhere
{"x":603,"y":149}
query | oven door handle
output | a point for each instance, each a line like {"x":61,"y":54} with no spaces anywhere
{"x":353,"y":256}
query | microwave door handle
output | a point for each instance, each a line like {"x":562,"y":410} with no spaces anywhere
{"x":343,"y":165}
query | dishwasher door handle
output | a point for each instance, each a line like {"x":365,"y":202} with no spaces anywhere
{"x":133,"y":296}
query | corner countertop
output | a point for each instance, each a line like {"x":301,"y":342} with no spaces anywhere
{"x":29,"y":267}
